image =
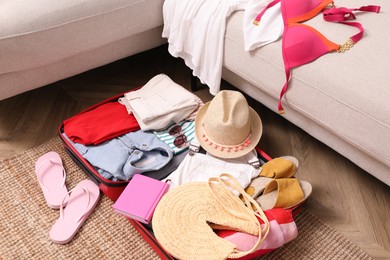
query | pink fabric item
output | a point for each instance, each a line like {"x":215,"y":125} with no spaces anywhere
{"x":282,"y":230}
{"x":101,"y":124}
{"x":294,"y":42}
{"x":51,"y":177}
{"x":297,"y":8}
{"x":81,"y":201}
{"x":301,"y":43}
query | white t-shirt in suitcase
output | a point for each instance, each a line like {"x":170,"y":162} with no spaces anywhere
{"x":200,"y":167}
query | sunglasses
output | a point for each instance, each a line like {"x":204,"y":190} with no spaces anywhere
{"x":180,"y":139}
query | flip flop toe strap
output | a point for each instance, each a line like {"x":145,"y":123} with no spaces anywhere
{"x":86,"y":206}
{"x":289,"y":192}
{"x":40,"y":173}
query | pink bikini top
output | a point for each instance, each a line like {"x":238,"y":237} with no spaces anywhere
{"x":301,"y":43}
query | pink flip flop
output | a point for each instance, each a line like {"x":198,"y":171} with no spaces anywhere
{"x":81,"y":201}
{"x":51,"y":176}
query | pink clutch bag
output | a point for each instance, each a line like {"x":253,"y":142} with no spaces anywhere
{"x":140,"y":197}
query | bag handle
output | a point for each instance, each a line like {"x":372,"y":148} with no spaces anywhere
{"x":250,"y":208}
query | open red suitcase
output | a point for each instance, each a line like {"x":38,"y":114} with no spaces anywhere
{"x":112,"y":189}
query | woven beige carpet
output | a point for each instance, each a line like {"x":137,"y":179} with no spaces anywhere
{"x":26,"y":219}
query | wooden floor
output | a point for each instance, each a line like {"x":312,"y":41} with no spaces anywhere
{"x":344,"y":196}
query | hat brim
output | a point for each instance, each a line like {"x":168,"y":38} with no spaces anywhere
{"x":256,"y":132}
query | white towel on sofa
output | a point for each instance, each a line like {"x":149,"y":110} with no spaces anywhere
{"x":269,"y":29}
{"x":195,"y":31}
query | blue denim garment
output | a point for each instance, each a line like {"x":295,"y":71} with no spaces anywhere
{"x":126,"y":155}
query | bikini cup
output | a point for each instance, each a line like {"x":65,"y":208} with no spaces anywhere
{"x":302,"y":43}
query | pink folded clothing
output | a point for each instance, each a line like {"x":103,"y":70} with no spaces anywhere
{"x":282,"y":230}
{"x":101,"y":124}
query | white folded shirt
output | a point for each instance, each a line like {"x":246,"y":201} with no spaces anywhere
{"x":200,"y":167}
{"x":160,"y":102}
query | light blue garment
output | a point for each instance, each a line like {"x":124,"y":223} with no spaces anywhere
{"x":126,"y":155}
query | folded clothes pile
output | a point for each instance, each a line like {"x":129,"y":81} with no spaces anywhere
{"x":159,"y":103}
{"x":141,"y":132}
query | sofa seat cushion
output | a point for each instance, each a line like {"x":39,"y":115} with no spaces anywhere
{"x":37,"y":33}
{"x":345,"y":94}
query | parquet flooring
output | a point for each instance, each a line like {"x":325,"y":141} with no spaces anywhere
{"x":344,"y":196}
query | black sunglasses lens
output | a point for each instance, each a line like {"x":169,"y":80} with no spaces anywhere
{"x":180,"y":140}
{"x":175,"y":130}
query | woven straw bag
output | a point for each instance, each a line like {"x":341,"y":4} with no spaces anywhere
{"x":184,"y":219}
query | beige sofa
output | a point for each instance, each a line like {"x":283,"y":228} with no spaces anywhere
{"x":45,"y":41}
{"x":340,"y":99}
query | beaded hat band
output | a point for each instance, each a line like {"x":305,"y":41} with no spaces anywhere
{"x":227,"y":148}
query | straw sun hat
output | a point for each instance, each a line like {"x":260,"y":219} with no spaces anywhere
{"x":227,"y":127}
